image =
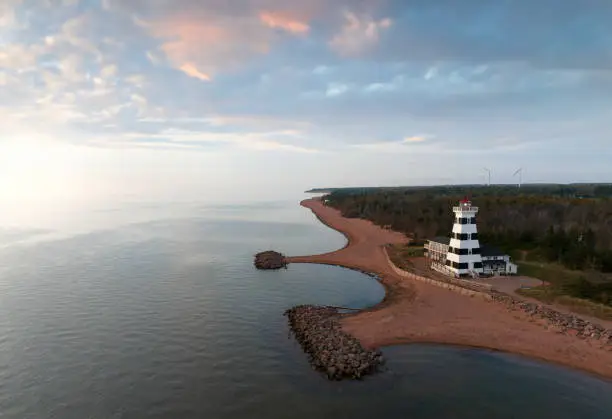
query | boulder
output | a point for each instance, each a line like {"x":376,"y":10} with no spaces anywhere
{"x":270,"y":260}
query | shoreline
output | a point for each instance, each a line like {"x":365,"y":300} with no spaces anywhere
{"x":416,"y":312}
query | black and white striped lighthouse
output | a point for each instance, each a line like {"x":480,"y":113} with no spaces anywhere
{"x":464,"y":256}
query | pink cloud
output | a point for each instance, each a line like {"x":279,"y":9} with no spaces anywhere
{"x":281,"y":20}
{"x":192,"y":71}
{"x":210,"y":36}
{"x":200,"y":47}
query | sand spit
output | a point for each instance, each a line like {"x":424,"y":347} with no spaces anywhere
{"x":418,"y":312}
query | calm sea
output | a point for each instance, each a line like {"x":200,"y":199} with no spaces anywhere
{"x":153,"y":310}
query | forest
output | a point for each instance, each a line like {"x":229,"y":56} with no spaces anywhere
{"x":568,"y":225}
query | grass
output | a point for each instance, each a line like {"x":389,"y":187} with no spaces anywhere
{"x":400,"y":255}
{"x":557,"y":277}
{"x":550,"y":295}
{"x":545,"y":294}
{"x":549,"y":272}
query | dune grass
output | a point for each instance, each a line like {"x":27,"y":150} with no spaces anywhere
{"x":552,"y":295}
{"x":400,"y":255}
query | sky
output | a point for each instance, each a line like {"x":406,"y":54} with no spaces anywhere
{"x":170,"y":95}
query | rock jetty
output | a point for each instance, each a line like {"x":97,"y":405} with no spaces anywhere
{"x":330,"y":350}
{"x":270,"y":260}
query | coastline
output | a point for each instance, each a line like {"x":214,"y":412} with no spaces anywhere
{"x":416,"y":312}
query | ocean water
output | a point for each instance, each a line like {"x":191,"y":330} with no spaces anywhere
{"x":153,"y":310}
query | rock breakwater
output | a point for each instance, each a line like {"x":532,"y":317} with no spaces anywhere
{"x":329,"y":349}
{"x":270,"y":260}
{"x":560,"y":322}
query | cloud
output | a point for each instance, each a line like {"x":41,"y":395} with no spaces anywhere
{"x":65,"y":80}
{"x":215,"y":37}
{"x":275,"y":145}
{"x":71,"y":68}
{"x":420,"y":144}
{"x":153,"y":57}
{"x":108,"y":71}
{"x":77,"y":33}
{"x":359,"y":34}
{"x":336,"y":89}
{"x":280,"y":20}
{"x":19,"y":56}
{"x":137,"y":80}
{"x":322,"y":70}
{"x":262,"y":141}
{"x":378,"y":87}
{"x":192,"y":71}
{"x":234,"y":123}
{"x":406,"y":144}
{"x":305,"y":76}
{"x":415,"y":139}
{"x":201,"y":47}
{"x":382,"y":147}
{"x":431,"y":73}
{"x":8,"y":18}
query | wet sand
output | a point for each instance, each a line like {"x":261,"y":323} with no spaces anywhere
{"x":416,"y":312}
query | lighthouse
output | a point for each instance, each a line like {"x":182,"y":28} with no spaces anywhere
{"x":464,"y":254}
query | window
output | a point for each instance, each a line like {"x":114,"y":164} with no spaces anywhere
{"x":463,"y":252}
{"x":463,"y":266}
{"x":448,"y":262}
{"x":474,"y":236}
{"x":477,"y":265}
{"x":455,"y":265}
{"x":472,"y":220}
{"x":464,"y":236}
{"x":476,"y":251}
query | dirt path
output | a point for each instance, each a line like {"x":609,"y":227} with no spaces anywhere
{"x":413,"y":311}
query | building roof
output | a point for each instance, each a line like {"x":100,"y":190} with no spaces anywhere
{"x":442,"y":240}
{"x":490,"y":251}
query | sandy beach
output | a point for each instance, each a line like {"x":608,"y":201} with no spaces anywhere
{"x":416,"y":312}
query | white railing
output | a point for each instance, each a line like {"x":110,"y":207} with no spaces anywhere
{"x":456,"y":209}
{"x":443,"y":269}
{"x":462,"y":286}
{"x":436,"y":247}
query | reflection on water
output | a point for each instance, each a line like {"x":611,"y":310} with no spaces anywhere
{"x":160,"y":314}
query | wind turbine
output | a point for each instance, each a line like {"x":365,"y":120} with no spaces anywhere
{"x":519,"y":172}
{"x":489,"y":178}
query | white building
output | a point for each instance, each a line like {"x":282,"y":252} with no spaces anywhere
{"x":495,"y":262}
{"x":461,"y":255}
